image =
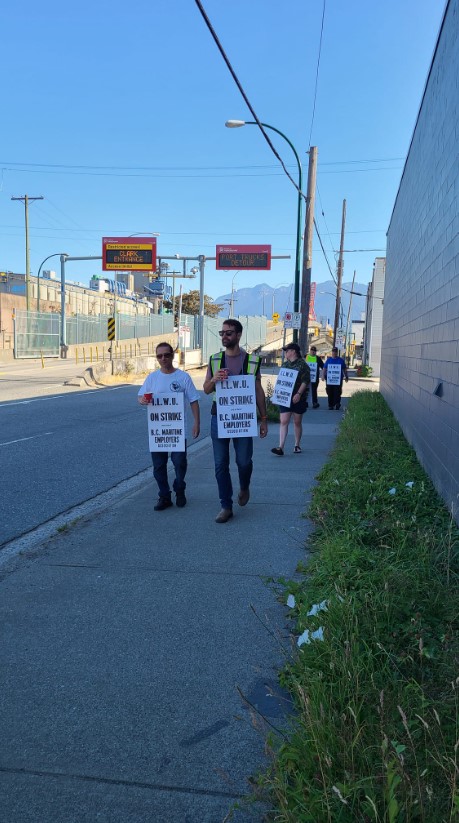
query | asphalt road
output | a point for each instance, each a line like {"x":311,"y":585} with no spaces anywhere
{"x":20,"y":379}
{"x":60,"y":450}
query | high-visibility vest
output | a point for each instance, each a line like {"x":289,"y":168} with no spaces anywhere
{"x":249,"y":366}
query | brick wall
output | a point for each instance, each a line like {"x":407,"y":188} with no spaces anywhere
{"x":420,"y":347}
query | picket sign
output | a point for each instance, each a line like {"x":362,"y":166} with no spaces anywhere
{"x":236,"y":406}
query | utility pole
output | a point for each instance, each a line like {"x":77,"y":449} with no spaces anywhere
{"x":307,"y":251}
{"x":339,"y":274}
{"x":346,"y":344}
{"x":27,"y":200}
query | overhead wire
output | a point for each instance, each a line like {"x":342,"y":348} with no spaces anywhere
{"x":324,"y":252}
{"x":8,"y":163}
{"x":180,"y":176}
{"x":244,"y":95}
{"x":317,"y":73}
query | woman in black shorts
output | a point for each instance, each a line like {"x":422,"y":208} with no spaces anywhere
{"x":298,"y":405}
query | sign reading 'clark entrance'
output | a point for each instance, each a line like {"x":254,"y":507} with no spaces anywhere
{"x":127,"y":254}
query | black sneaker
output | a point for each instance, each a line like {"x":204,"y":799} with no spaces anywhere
{"x":163,"y":503}
{"x":180,"y":499}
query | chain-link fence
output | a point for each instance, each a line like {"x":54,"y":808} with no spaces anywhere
{"x":38,"y":333}
{"x":253,"y":334}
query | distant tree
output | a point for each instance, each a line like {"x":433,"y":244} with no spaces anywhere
{"x":190,"y":304}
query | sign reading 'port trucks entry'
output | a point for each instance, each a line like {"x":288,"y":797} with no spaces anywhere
{"x":243,"y":257}
{"x":128,"y":254}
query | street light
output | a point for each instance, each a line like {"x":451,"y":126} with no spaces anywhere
{"x":340,"y":305}
{"x":279,"y":286}
{"x":263,"y":295}
{"x":58,"y":254}
{"x":232,"y":292}
{"x":236,"y":124}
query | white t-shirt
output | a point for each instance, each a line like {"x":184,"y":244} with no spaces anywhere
{"x":178,"y":381}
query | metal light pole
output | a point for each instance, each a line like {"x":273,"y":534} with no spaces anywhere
{"x":279,"y":286}
{"x":263,"y":295}
{"x":202,"y":268}
{"x":63,"y":326}
{"x":58,"y":254}
{"x":235,"y":124}
{"x":340,"y":307}
{"x":232,"y":293}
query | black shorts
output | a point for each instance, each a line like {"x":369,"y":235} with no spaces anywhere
{"x":296,"y":408}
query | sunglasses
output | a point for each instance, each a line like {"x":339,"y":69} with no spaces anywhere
{"x":167,"y":354}
{"x":223,"y":333}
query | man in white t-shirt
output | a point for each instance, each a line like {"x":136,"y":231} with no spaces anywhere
{"x":164,"y":381}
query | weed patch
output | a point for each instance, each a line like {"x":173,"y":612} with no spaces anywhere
{"x":376,"y":734}
{"x":272,"y":411}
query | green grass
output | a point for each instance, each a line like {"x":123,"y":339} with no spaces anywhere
{"x":376,"y":733}
{"x":272,"y":411}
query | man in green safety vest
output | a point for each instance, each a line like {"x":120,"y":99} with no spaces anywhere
{"x":316,"y":372}
{"x":233,"y":361}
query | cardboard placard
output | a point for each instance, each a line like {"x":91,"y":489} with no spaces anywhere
{"x":236,"y":406}
{"x":166,"y":423}
{"x":286,"y":379}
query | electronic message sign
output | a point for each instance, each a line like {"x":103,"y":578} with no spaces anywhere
{"x":128,"y":254}
{"x":243,"y":257}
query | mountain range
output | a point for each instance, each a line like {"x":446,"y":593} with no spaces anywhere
{"x":265,"y":300}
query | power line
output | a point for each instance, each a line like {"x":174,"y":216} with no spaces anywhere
{"x":244,"y":95}
{"x":181,"y":176}
{"x":317,"y":74}
{"x":224,"y":233}
{"x":324,"y":252}
{"x":8,"y":163}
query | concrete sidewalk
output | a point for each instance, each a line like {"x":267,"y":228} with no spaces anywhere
{"x":127,"y":640}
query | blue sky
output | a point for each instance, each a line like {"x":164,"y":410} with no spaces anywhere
{"x":115,"y":114}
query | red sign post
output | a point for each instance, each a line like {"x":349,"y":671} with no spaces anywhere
{"x":128,"y":254}
{"x":243,"y":257}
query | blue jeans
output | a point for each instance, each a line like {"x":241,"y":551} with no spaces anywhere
{"x":160,"y":471}
{"x":243,"y":447}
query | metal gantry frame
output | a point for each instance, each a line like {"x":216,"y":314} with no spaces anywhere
{"x":200,"y":259}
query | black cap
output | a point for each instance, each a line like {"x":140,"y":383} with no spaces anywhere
{"x":293,"y":346}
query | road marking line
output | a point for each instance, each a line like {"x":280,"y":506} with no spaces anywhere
{"x":25,"y":402}
{"x":21,"y":440}
{"x":58,"y":396}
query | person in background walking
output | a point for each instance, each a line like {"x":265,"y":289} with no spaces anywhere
{"x":299,"y":401}
{"x":311,"y":359}
{"x":234,"y":360}
{"x":334,"y":372}
{"x":164,"y":381}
